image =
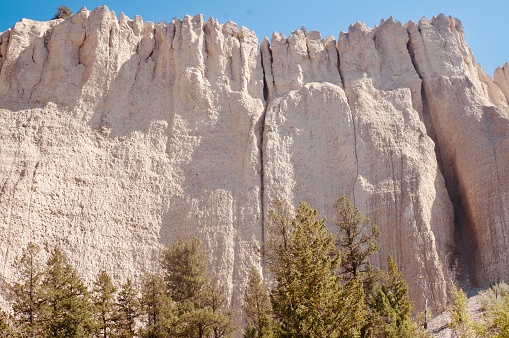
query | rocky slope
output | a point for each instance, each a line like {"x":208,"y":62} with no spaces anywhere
{"x":117,"y":136}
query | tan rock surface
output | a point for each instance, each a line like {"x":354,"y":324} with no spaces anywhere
{"x":367,"y":142}
{"x":470,"y":121}
{"x":136,"y":134}
{"x":118,"y":135}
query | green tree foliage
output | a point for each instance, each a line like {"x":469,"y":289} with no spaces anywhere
{"x":26,"y":291}
{"x":127,"y":310}
{"x":63,"y":12}
{"x":461,"y":323}
{"x":185,"y":269}
{"x":6,"y":329}
{"x":257,"y":308}
{"x":394,"y":306}
{"x":200,"y":304}
{"x":66,"y":311}
{"x":103,"y":300}
{"x":496,"y":318}
{"x":308,"y":298}
{"x":358,"y":239}
{"x":157,"y":306}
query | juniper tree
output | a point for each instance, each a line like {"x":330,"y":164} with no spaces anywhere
{"x":394,"y":306}
{"x":358,"y":239}
{"x":461,"y":323}
{"x":257,"y":308}
{"x":496,"y":323}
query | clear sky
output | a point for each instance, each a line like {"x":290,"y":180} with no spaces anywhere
{"x":486,"y":23}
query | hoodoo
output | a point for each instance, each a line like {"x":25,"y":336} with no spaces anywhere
{"x":118,"y":136}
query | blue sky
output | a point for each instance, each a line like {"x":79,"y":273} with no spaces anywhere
{"x":486,"y":23}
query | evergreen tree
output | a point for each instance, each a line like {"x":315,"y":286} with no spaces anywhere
{"x":205,"y":316}
{"x":394,"y":306}
{"x":66,"y":311}
{"x":26,"y":291}
{"x":6,"y":329}
{"x":358,"y":239}
{"x":308,"y":299}
{"x":103,"y":299}
{"x":257,"y":308}
{"x":185,"y":269}
{"x":201,"y":310}
{"x":158,"y":308}
{"x":223,"y":325}
{"x":63,"y":12}
{"x":127,"y":310}
{"x":497,"y":316}
{"x":461,"y":323}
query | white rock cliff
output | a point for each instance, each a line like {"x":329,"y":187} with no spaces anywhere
{"x":117,"y":136}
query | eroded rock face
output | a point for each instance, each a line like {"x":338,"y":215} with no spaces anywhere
{"x":117,"y":136}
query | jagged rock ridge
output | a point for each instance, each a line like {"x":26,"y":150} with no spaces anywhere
{"x":118,"y":136}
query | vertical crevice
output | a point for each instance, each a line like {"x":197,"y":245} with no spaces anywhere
{"x":266,"y":98}
{"x":339,"y":69}
{"x":4,"y":48}
{"x":354,"y":127}
{"x":355,"y":152}
{"x":465,"y":246}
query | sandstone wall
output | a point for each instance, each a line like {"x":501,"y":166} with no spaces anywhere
{"x":117,"y":136}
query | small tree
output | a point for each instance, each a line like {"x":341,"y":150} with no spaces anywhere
{"x":27,"y":290}
{"x":185,"y":269}
{"x":461,"y":323}
{"x":358,"y":239}
{"x":6,"y":329}
{"x":66,"y":311}
{"x":257,"y":308}
{"x":201,"y":305}
{"x":103,"y":299}
{"x":157,"y":306}
{"x":63,"y":12}
{"x":127,"y":310}
{"x":394,"y":305}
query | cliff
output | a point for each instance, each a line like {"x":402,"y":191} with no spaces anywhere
{"x":118,"y":135}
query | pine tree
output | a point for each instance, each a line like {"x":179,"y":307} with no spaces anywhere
{"x":127,"y":310}
{"x":185,"y":269}
{"x":158,"y":308}
{"x":103,"y":299}
{"x":201,"y":305}
{"x":257,"y":308}
{"x":66,"y":311}
{"x":27,"y":291}
{"x":308,"y":299}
